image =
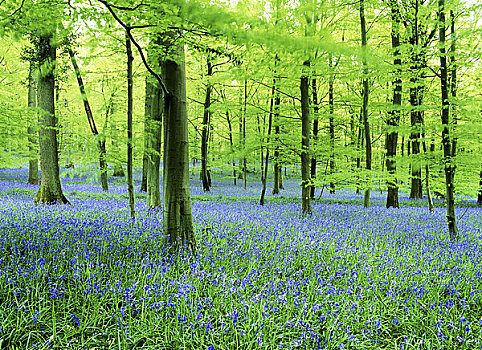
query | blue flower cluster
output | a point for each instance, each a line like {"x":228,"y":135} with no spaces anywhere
{"x":265,"y":277}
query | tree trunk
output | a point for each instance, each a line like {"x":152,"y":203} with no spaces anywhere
{"x":305,"y":140}
{"x":276,"y":165}
{"x":479,"y":194}
{"x":394,"y":116}
{"x":177,"y":221}
{"x":447,"y":139}
{"x":90,"y":119}
{"x":245,"y":170}
{"x":154,"y":155}
{"x":231,"y":144}
{"x":205,"y":127}
{"x":316,"y":108}
{"x":130,"y":146}
{"x":277,"y":175}
{"x":364,"y":108}
{"x":331,"y":106}
{"x":50,"y":191}
{"x":31,"y":129}
{"x":147,"y":118}
{"x":416,"y":118}
{"x":427,"y":175}
{"x":264,"y":176}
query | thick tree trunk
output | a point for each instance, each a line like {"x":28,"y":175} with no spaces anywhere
{"x":90,"y":119}
{"x":366,"y":125}
{"x":154,"y":155}
{"x":31,"y":128}
{"x":316,"y":108}
{"x":305,"y":140}
{"x":447,"y":139}
{"x":50,"y":190}
{"x":205,"y":128}
{"x":177,"y":221}
{"x":147,"y":119}
{"x":130,"y":146}
{"x":394,"y":117}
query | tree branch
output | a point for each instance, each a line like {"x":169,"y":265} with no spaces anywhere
{"x":139,"y":49}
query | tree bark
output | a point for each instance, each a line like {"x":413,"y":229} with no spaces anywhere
{"x":154,"y":155}
{"x":231,"y":144}
{"x":147,"y":117}
{"x":270,"y":122}
{"x":31,"y":128}
{"x":364,"y":108}
{"x":331,"y":106}
{"x":205,"y":127}
{"x":130,"y":146}
{"x":90,"y":119}
{"x":177,"y":221}
{"x":245,"y":170}
{"x":50,"y":191}
{"x":305,"y":140}
{"x":316,"y":108}
{"x":394,"y":116}
{"x":153,"y":127}
{"x":447,"y":139}
{"x":416,"y":115}
{"x":479,"y":194}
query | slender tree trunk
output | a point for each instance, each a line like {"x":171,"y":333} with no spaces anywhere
{"x":264,"y":177}
{"x":416,"y":118}
{"x":50,"y":191}
{"x":276,"y":165}
{"x":479,"y":194}
{"x":90,"y":119}
{"x":331,"y":106}
{"x":366,"y":125}
{"x":305,"y":140}
{"x":130,"y":146}
{"x":31,"y":129}
{"x":427,"y":174}
{"x":147,"y":118}
{"x":245,"y":170}
{"x":231,"y":144}
{"x":277,"y":175}
{"x":394,"y":117}
{"x":447,"y":139}
{"x":316,"y":108}
{"x":205,"y":127}
{"x":177,"y":220}
{"x":154,"y":160}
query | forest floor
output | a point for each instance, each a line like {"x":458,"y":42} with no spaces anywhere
{"x":85,"y":276}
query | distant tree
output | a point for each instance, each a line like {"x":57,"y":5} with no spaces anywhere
{"x":305,"y":140}
{"x":90,"y":119}
{"x":206,"y":125}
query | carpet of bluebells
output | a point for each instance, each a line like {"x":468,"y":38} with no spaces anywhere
{"x":85,"y":276}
